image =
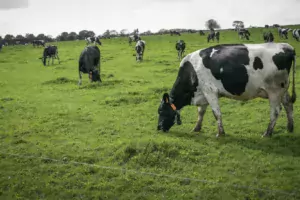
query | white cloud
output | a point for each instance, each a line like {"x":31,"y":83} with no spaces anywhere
{"x":11,"y":4}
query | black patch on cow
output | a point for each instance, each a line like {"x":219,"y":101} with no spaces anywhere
{"x":283,"y":60}
{"x":228,"y":65}
{"x":257,"y":64}
{"x":185,"y":85}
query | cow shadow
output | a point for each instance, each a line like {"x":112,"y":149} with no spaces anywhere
{"x":285,"y":144}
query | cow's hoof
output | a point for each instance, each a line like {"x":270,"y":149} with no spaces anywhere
{"x":266,"y":134}
{"x":290,"y":127}
{"x":196,"y":129}
{"x":220,"y":135}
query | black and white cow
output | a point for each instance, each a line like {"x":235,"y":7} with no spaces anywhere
{"x":180,"y":47}
{"x":90,"y":40}
{"x":243,"y":33}
{"x":283,"y":32}
{"x":133,"y":38}
{"x":140,"y":48}
{"x":236,"y":71}
{"x":268,"y":36}
{"x":49,"y":52}
{"x":89,"y":62}
{"x":212,"y":35}
{"x":174,"y":33}
{"x":296,"y":34}
{"x":201,"y":32}
{"x":38,"y":43}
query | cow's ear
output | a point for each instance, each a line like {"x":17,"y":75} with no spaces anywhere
{"x":166,"y":98}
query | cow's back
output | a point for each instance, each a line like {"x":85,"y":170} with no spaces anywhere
{"x":241,"y":70}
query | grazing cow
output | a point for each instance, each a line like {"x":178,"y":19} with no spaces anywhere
{"x":38,"y":43}
{"x":296,"y":34}
{"x":140,"y":48}
{"x":180,"y":47}
{"x":174,"y":33}
{"x":50,"y":51}
{"x":243,"y":33}
{"x":212,"y":35}
{"x":94,"y":40}
{"x":268,"y":36}
{"x":283,"y":32}
{"x":201,"y":32}
{"x":236,"y":71}
{"x":134,"y":38}
{"x":89,"y":62}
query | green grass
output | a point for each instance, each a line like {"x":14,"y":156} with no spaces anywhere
{"x":61,"y":141}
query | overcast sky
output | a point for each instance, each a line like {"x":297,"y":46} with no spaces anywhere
{"x":52,"y":17}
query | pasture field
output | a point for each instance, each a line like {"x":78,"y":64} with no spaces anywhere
{"x":62,"y":141}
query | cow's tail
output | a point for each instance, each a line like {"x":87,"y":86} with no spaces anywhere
{"x":293,"y":98}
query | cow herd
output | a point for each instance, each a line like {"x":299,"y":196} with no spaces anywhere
{"x":236,"y":71}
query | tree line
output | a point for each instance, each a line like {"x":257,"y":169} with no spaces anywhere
{"x":210,"y":24}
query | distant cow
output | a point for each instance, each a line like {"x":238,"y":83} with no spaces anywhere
{"x":212,"y":35}
{"x":38,"y":43}
{"x":90,"y":40}
{"x":89,"y":62}
{"x":243,"y":33}
{"x":49,"y":52}
{"x":174,"y":33}
{"x":268,"y":36}
{"x":140,"y":48}
{"x":296,"y":34}
{"x":201,"y":32}
{"x":180,"y":47}
{"x":283,"y":32}
{"x":133,"y":38}
{"x":235,"y":71}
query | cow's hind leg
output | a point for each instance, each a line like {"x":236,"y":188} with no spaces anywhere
{"x":80,"y":78}
{"x":288,"y":106}
{"x":212,"y":99}
{"x":58,"y":58}
{"x":201,"y":112}
{"x":275,"y":108}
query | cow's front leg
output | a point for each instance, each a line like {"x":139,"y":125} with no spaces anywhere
{"x":201,"y":112}
{"x":288,"y":106}
{"x":178,"y":118}
{"x":274,"y":112}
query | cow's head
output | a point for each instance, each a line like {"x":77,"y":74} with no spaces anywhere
{"x":167,"y":113}
{"x":94,"y":76}
{"x":98,"y":41}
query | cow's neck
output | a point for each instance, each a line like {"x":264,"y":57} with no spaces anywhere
{"x":185,"y":86}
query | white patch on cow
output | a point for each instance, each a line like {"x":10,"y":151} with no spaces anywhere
{"x":213,"y":51}
{"x":221,"y":70}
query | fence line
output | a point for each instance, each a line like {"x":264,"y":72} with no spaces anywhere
{"x":170,"y":176}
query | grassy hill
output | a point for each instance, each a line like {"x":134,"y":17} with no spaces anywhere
{"x":61,"y":141}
